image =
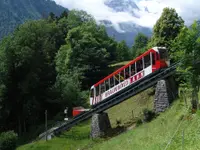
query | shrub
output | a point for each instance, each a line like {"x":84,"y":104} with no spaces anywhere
{"x":138,"y":122}
{"x":8,"y":140}
{"x":148,"y":115}
{"x":151,"y":91}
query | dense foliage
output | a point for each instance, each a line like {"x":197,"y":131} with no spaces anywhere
{"x":14,"y":13}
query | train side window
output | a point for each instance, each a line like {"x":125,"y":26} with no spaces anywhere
{"x":103,"y":88}
{"x":122,"y":76}
{"x":139,"y":65}
{"x":107,"y":85}
{"x":127,"y":73}
{"x":129,"y":70}
{"x":97,"y":90}
{"x":147,"y":61}
{"x":153,"y":58}
{"x":116,"y":77}
{"x":112,"y":82}
{"x":133,"y":69}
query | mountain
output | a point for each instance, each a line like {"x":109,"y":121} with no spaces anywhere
{"x":15,"y":12}
{"x":126,"y":30}
{"x":122,"y":6}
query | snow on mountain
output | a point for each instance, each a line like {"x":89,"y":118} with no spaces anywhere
{"x":122,"y":6}
{"x":124,"y":30}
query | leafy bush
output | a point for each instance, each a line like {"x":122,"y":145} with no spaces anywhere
{"x":8,"y":140}
{"x":138,"y":122}
{"x":148,"y":115}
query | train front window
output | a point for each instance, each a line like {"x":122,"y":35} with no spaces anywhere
{"x":163,"y":53}
{"x":92,"y":93}
{"x":97,"y":90}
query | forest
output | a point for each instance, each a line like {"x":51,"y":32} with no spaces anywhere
{"x":50,"y":64}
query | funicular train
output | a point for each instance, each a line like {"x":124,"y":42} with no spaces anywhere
{"x":150,"y":61}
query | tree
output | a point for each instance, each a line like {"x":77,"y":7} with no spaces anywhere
{"x":122,"y":51}
{"x":140,"y":43}
{"x":77,"y":18}
{"x":52,"y":16}
{"x":68,"y":86}
{"x":86,"y":49}
{"x":186,"y":47}
{"x":64,"y":14}
{"x":166,"y":28}
{"x":4,"y":66}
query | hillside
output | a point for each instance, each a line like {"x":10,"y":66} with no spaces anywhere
{"x":13,"y":13}
{"x":166,"y":131}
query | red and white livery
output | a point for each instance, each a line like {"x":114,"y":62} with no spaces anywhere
{"x":147,"y":63}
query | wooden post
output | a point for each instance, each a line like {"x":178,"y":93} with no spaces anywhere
{"x":46,"y":123}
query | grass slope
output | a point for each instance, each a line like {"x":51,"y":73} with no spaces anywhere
{"x":130,"y":110}
{"x":165,"y":132}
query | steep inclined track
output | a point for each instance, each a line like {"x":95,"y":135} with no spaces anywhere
{"x":128,"y":92}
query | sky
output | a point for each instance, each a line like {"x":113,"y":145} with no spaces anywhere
{"x":187,"y":9}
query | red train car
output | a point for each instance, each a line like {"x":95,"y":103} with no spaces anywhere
{"x":78,"y":110}
{"x":147,"y":63}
